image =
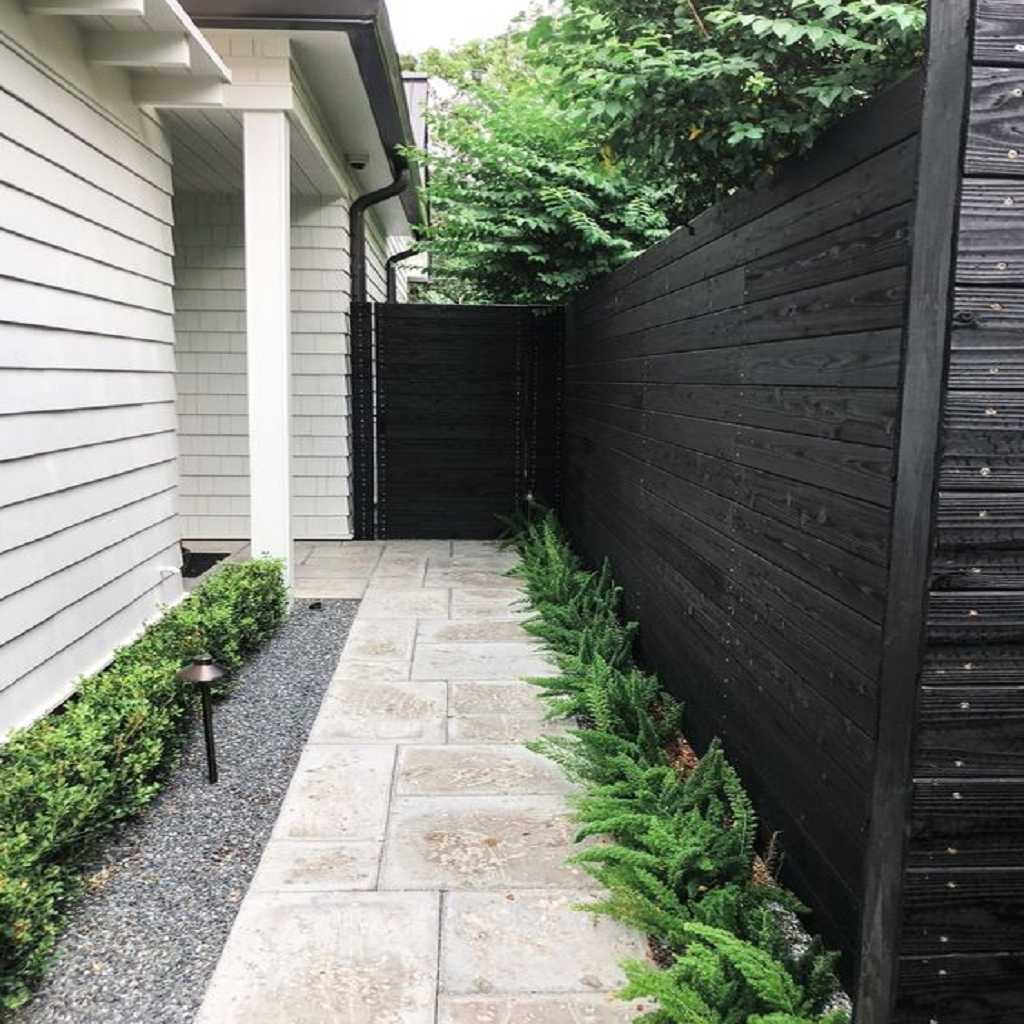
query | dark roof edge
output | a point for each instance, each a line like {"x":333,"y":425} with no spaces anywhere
{"x":369,"y":31}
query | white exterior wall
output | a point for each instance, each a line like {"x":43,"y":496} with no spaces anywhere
{"x":88,"y":535}
{"x":210,"y":324}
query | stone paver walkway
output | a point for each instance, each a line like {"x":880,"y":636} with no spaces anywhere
{"x":417,"y":872}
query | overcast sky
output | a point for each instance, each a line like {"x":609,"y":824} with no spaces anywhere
{"x":421,"y":24}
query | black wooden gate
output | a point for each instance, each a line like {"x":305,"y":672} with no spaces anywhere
{"x":457,"y":417}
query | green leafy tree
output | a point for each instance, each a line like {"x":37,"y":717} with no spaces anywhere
{"x":525,"y":206}
{"x":708,"y":95}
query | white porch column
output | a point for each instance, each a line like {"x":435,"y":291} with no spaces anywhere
{"x":268,"y":330}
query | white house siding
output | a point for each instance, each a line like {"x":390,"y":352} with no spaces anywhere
{"x":88,"y":536}
{"x":212,"y":401}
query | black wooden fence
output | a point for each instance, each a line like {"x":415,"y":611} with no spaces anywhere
{"x":458,"y":416}
{"x":787,"y":427}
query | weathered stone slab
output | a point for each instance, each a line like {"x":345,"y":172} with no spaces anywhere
{"x":483,"y":631}
{"x":572,"y":1008}
{"x":468,"y":605}
{"x":338,"y":793}
{"x":379,"y":638}
{"x":476,"y":547}
{"x":345,"y":560}
{"x":392,"y":712}
{"x":440,"y":548}
{"x":472,"y":579}
{"x":531,"y":941}
{"x":465,"y":771}
{"x":333,"y":589}
{"x":336,"y":568}
{"x":357,"y":958}
{"x":499,"y":729}
{"x":311,"y":866}
{"x":495,"y":697}
{"x":406,"y":582}
{"x":479,"y":661}
{"x":405,"y":604}
{"x":480,"y":843}
{"x":369,"y":670}
{"x":401,"y":563}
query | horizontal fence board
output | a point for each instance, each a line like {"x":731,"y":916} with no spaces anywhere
{"x":999,"y":33}
{"x":966,"y":911}
{"x":971,"y":732}
{"x":967,"y":823}
{"x":984,"y":989}
{"x":731,"y":408}
{"x":993,"y":141}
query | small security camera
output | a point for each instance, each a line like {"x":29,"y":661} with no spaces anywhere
{"x":357,"y":161}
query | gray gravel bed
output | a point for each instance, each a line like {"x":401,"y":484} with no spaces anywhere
{"x":164,"y":891}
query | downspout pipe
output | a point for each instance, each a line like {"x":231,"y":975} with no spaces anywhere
{"x":393,"y":262}
{"x":357,"y":224}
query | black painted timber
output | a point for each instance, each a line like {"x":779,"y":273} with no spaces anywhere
{"x":468,"y":416}
{"x":962,"y":926}
{"x":732,"y":402}
{"x":795,"y":430}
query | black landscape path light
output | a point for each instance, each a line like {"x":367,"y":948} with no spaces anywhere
{"x":203,"y":672}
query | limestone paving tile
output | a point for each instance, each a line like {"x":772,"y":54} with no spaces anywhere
{"x":422,"y":603}
{"x":377,"y":638}
{"x":396,"y":712}
{"x":482,"y":631}
{"x":480,"y":843}
{"x":556,"y":947}
{"x":479,"y":661}
{"x":333,"y":589}
{"x":472,"y":579}
{"x":474,"y":604}
{"x":395,"y":562}
{"x":313,"y":866}
{"x":495,"y":697}
{"x":316,"y":958}
{"x":369,"y":670}
{"x":338,"y":792}
{"x":474,"y":771}
{"x":476,"y":547}
{"x":499,"y":729}
{"x":571,"y":1008}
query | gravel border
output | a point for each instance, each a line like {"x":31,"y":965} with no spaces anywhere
{"x":163,"y":892}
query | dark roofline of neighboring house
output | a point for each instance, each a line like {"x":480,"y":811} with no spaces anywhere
{"x":369,"y":31}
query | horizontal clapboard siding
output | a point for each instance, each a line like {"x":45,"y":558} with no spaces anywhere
{"x":88,"y":455}
{"x":211,"y":361}
{"x":731,"y":402}
{"x":963,"y":929}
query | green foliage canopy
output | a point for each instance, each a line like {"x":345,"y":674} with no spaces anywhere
{"x":524,"y":208}
{"x":711,"y":95}
{"x":565,"y":148}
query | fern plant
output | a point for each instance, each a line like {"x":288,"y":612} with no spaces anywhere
{"x":678,"y":855}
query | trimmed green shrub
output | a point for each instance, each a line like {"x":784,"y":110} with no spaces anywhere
{"x":70,"y":777}
{"x":680,"y":860}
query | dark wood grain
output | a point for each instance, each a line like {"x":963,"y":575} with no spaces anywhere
{"x":995,"y":140}
{"x":962,"y":911}
{"x":971,"y":732}
{"x":999,"y":33}
{"x":985,"y":989}
{"x":466,"y":422}
{"x":964,"y":822}
{"x":991,"y":249}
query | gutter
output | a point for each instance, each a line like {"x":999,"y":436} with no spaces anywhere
{"x":357,"y":224}
{"x":369,"y":31}
{"x":392,"y":271}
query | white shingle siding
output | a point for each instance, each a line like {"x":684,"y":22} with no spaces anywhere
{"x":212,"y":402}
{"x":87,"y":422}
